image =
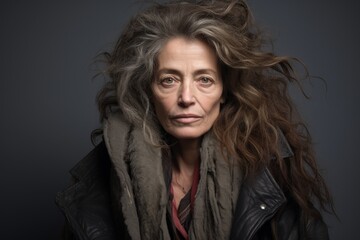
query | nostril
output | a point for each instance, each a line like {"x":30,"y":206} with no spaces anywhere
{"x":185,"y":101}
{"x":184,"y":104}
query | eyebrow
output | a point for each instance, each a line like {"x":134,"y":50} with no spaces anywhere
{"x":168,"y":71}
{"x":197,"y":72}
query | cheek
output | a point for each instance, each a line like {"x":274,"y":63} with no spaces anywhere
{"x":157,"y":102}
{"x":212,"y":107}
{"x":161,"y":109}
{"x":215,"y":111}
{"x":164,"y":102}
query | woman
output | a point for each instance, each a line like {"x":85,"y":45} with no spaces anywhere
{"x":200,"y":141}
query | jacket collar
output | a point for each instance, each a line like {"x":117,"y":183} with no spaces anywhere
{"x":284,"y":146}
{"x":91,"y":166}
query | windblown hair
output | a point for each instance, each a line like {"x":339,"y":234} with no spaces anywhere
{"x":255,"y":81}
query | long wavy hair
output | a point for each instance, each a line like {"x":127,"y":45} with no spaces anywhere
{"x":257,"y":105}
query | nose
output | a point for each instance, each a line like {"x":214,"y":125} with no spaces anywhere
{"x":186,"y":95}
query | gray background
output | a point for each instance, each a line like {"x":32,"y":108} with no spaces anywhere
{"x":48,"y":108}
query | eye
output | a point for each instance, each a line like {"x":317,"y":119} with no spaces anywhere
{"x":206,"y":81}
{"x":167,"y":81}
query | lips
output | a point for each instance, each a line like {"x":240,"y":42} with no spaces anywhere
{"x":185,"y":118}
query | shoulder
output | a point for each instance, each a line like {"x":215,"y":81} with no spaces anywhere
{"x":316,"y":229}
{"x":86,"y":202}
{"x":291,"y":224}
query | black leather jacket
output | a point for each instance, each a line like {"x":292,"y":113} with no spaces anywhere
{"x":87,"y":207}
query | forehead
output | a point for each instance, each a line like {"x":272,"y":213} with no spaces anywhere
{"x":178,"y":51}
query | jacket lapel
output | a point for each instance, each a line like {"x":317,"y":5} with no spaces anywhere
{"x":259,"y":199}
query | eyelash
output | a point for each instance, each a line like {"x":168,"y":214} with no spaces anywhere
{"x":163,"y":80}
{"x":209,"y":81}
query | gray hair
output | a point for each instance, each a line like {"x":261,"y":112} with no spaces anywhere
{"x":255,"y":84}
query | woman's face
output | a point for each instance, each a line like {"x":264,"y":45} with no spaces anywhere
{"x":187,"y":89}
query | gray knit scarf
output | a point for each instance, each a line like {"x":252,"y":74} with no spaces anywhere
{"x":140,"y":195}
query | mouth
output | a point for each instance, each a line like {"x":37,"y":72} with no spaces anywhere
{"x":185,"y":118}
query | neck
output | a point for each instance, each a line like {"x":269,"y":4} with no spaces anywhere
{"x":186,"y":155}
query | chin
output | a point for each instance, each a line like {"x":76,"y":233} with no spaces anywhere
{"x":187,"y":134}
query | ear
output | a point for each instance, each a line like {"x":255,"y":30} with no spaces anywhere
{"x":223,"y":97}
